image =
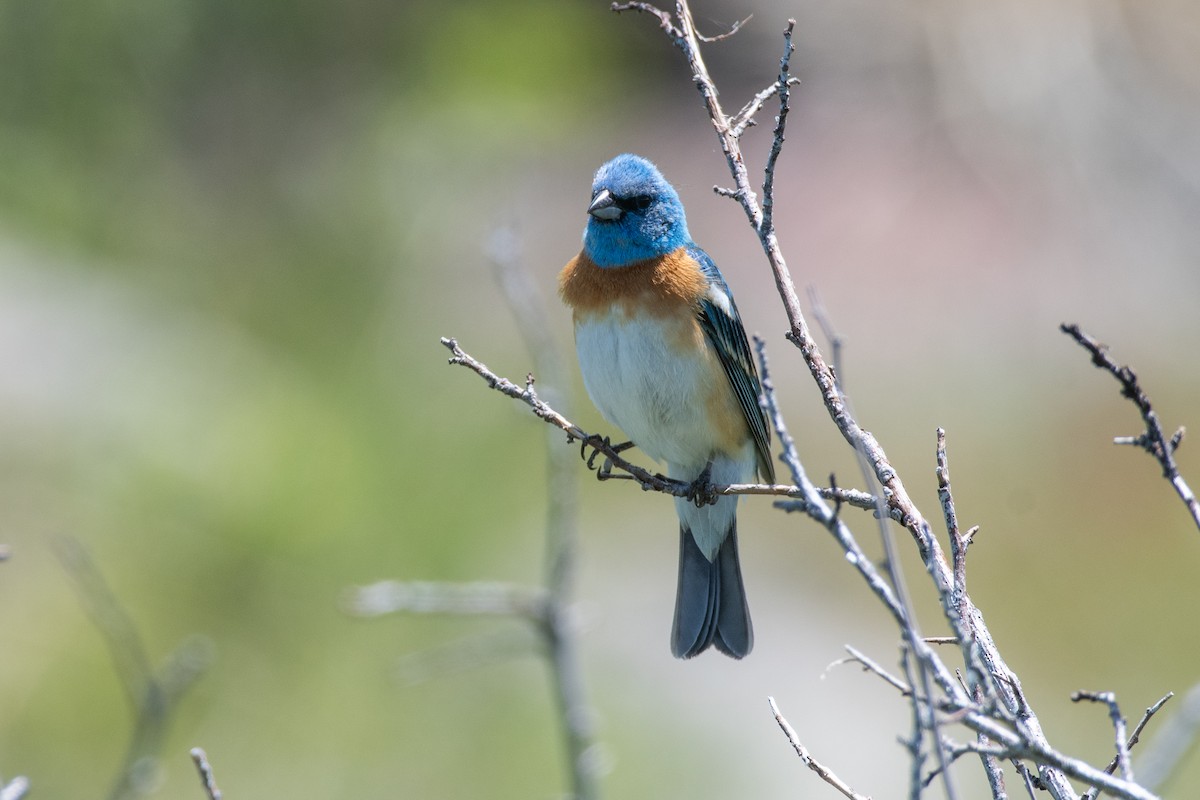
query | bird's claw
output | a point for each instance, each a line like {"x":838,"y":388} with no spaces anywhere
{"x":700,"y":490}
{"x":599,"y":444}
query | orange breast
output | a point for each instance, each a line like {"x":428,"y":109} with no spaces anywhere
{"x":668,"y":285}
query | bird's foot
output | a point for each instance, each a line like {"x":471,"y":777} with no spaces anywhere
{"x":596,"y":442}
{"x":700,"y":490}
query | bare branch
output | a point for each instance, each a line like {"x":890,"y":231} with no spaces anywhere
{"x":1134,"y":738}
{"x":1175,"y":738}
{"x":869,"y":665}
{"x":958,"y":550}
{"x":664,"y":18}
{"x":1023,"y":746}
{"x":1026,"y":778}
{"x":744,"y":119}
{"x":16,"y":789}
{"x":737,"y":26}
{"x":850,"y":497}
{"x":822,"y":771}
{"x":955,"y":750}
{"x":207,"y":780}
{"x":1118,"y":722}
{"x":1152,"y":440}
{"x":783,"y":91}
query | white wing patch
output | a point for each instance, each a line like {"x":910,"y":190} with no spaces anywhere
{"x":720,"y":299}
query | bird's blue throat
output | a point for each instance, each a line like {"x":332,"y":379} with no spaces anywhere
{"x":613,"y":244}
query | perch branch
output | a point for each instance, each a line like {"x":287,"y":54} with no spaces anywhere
{"x":647,"y":480}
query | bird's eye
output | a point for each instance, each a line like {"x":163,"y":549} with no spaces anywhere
{"x":636,"y":203}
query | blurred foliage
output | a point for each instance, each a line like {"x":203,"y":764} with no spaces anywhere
{"x":227,"y":152}
{"x":230,"y":233}
{"x":220,"y":222}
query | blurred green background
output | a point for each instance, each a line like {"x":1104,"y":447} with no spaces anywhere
{"x":232,"y":232}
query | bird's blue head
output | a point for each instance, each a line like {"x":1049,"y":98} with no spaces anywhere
{"x":634,"y":214}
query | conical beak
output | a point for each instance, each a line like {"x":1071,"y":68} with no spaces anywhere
{"x":604,"y":206}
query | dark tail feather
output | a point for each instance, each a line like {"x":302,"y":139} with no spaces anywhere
{"x":710,"y":602}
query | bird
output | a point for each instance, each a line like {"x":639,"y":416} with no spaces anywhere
{"x":664,"y":357}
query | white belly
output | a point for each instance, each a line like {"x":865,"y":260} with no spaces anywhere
{"x":658,"y":397}
{"x":662,"y":400}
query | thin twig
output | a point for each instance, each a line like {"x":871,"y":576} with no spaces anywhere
{"x":1026,"y":778}
{"x":1152,"y":440}
{"x":1134,"y":738}
{"x":1175,"y":738}
{"x":956,"y":750}
{"x":870,"y":665}
{"x":207,"y":780}
{"x":744,"y":119}
{"x":777,"y":138}
{"x":1118,"y":722}
{"x":544,"y":411}
{"x":822,"y":771}
{"x":737,"y":26}
{"x":958,"y":550}
{"x":664,"y":18}
{"x":959,"y":543}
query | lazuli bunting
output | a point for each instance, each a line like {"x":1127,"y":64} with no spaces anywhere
{"x":664,"y":357}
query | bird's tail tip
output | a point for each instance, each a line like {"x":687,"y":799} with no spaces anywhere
{"x":710,"y":601}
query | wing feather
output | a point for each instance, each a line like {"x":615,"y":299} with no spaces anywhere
{"x":722,"y":324}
